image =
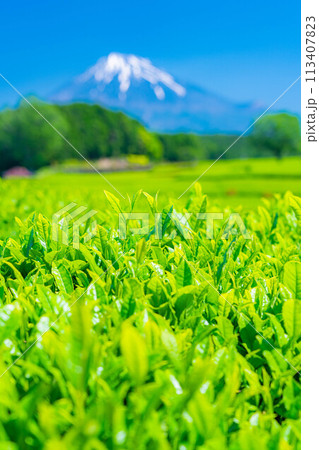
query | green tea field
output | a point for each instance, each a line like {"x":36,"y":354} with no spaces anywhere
{"x":239,"y":184}
{"x":181,"y":341}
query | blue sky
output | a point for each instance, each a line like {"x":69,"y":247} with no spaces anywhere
{"x":244,"y":51}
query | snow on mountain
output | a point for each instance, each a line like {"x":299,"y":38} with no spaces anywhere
{"x":132,"y":84}
{"x":126,"y":67}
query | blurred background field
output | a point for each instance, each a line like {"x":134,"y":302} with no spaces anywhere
{"x":43,"y":172}
{"x":239,"y":184}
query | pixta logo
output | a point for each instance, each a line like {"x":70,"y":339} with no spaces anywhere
{"x":66,"y":224}
{"x":140,"y":224}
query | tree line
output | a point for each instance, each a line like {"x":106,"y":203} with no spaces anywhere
{"x":27,"y":140}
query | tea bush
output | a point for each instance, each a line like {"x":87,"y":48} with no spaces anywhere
{"x":145,"y":343}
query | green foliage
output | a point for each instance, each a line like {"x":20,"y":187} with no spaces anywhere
{"x":152,"y":344}
{"x":27,"y":140}
{"x":279,"y":134}
{"x":237,"y":184}
{"x":182,"y":147}
{"x":97,"y":132}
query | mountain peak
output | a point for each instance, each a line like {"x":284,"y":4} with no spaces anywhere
{"x":132,"y":84}
{"x":128,"y":67}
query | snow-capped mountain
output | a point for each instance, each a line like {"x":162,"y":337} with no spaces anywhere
{"x":135,"y":86}
{"x":127,"y":68}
